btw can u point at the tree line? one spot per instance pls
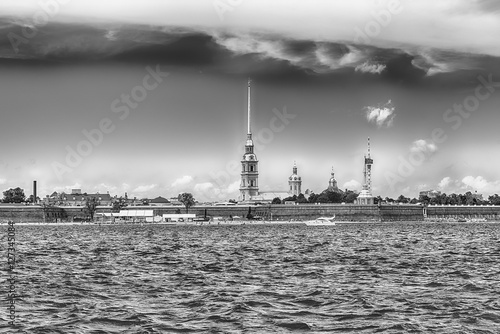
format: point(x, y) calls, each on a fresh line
point(347, 196)
point(443, 199)
point(16, 195)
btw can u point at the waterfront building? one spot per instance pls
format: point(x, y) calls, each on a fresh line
point(76, 198)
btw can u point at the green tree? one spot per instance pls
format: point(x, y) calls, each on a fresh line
point(313, 198)
point(453, 199)
point(349, 196)
point(118, 204)
point(276, 200)
point(494, 199)
point(30, 199)
point(91, 204)
point(403, 199)
point(442, 199)
point(424, 199)
point(334, 197)
point(323, 198)
point(290, 198)
point(187, 199)
point(469, 199)
point(14, 195)
point(301, 198)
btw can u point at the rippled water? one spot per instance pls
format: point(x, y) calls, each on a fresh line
point(350, 278)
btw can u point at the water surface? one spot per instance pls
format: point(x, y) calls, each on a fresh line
point(350, 278)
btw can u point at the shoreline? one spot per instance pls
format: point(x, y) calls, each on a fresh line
point(238, 223)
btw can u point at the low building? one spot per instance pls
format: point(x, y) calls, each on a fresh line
point(77, 199)
point(430, 193)
point(159, 201)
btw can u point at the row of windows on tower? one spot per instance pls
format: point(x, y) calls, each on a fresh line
point(251, 168)
point(251, 183)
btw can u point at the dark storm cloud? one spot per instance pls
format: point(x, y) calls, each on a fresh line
point(257, 54)
point(488, 6)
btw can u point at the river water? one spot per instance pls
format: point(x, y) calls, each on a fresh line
point(349, 278)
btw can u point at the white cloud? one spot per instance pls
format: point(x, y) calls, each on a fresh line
point(406, 191)
point(421, 145)
point(68, 189)
point(382, 116)
point(423, 187)
point(144, 188)
point(3, 181)
point(203, 187)
point(352, 185)
point(469, 183)
point(111, 35)
point(233, 187)
point(182, 181)
point(444, 183)
point(102, 188)
point(480, 184)
point(367, 67)
point(207, 191)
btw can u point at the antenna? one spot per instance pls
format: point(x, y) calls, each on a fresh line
point(368, 147)
point(368, 168)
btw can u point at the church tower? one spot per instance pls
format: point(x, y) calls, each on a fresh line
point(332, 183)
point(249, 185)
point(295, 182)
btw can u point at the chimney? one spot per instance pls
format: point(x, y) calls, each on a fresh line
point(34, 192)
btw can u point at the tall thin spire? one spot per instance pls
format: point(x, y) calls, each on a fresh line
point(249, 129)
point(368, 147)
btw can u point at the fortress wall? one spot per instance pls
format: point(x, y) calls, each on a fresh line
point(37, 214)
point(279, 211)
point(21, 213)
point(467, 212)
point(347, 212)
point(401, 213)
point(342, 212)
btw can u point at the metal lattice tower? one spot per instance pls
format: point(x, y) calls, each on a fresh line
point(368, 169)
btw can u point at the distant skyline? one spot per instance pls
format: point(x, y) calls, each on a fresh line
point(153, 93)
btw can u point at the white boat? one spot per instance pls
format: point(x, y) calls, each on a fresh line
point(321, 221)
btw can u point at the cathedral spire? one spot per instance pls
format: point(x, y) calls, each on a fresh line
point(249, 186)
point(249, 94)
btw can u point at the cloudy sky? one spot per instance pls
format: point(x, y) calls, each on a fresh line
point(148, 97)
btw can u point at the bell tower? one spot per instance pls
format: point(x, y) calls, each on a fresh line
point(295, 182)
point(249, 185)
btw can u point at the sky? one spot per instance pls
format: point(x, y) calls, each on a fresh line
point(149, 97)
